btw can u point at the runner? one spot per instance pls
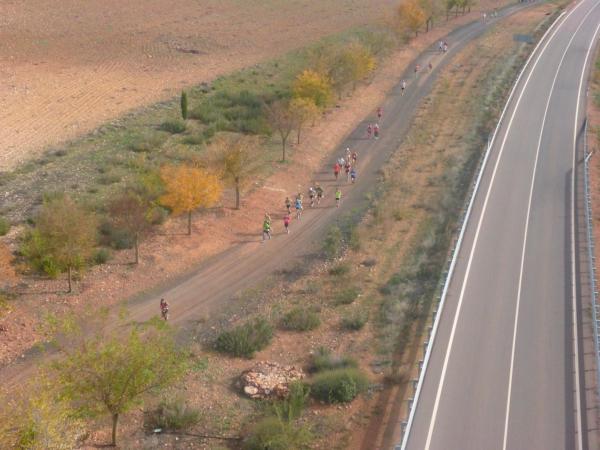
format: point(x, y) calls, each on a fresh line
point(376, 131)
point(298, 206)
point(353, 175)
point(266, 228)
point(348, 154)
point(417, 67)
point(286, 223)
point(312, 194)
point(441, 46)
point(402, 86)
point(338, 197)
point(336, 170)
point(379, 113)
point(354, 158)
point(445, 46)
point(347, 168)
point(369, 131)
point(430, 66)
point(319, 191)
point(288, 205)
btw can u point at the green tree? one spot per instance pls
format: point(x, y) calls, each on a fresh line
point(184, 105)
point(129, 213)
point(303, 110)
point(64, 237)
point(108, 372)
point(236, 157)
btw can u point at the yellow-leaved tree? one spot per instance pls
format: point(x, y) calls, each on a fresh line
point(362, 61)
point(411, 16)
point(313, 85)
point(189, 188)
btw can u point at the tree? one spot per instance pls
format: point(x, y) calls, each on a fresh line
point(362, 62)
point(65, 235)
point(236, 157)
point(411, 15)
point(189, 188)
point(108, 372)
point(129, 213)
point(34, 418)
point(450, 4)
point(282, 120)
point(303, 110)
point(313, 85)
point(184, 105)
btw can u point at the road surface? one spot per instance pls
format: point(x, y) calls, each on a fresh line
point(503, 372)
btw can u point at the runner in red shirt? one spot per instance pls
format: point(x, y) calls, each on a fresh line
point(286, 223)
point(336, 170)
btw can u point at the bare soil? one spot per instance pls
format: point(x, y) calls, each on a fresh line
point(67, 66)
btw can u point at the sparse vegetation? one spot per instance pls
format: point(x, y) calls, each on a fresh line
point(323, 360)
point(4, 226)
point(172, 415)
point(346, 296)
point(173, 126)
point(244, 340)
point(339, 385)
point(300, 319)
point(355, 319)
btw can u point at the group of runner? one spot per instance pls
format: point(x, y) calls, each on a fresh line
point(347, 162)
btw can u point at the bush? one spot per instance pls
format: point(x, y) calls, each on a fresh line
point(101, 256)
point(244, 340)
point(193, 139)
point(147, 141)
point(347, 296)
point(172, 415)
point(174, 126)
point(272, 433)
point(339, 386)
point(4, 226)
point(157, 215)
point(355, 320)
point(324, 360)
point(300, 319)
point(35, 249)
point(333, 243)
point(339, 269)
point(116, 238)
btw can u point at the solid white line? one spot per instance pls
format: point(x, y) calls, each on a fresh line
point(573, 265)
point(461, 297)
point(521, 270)
point(461, 236)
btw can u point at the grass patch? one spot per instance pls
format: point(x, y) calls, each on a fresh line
point(274, 433)
point(355, 320)
point(340, 269)
point(173, 126)
point(244, 340)
point(346, 296)
point(323, 360)
point(339, 386)
point(172, 415)
point(4, 226)
point(300, 319)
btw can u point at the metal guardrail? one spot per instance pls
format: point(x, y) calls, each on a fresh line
point(591, 255)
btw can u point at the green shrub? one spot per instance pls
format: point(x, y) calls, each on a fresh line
point(339, 386)
point(291, 408)
point(355, 320)
point(333, 245)
point(323, 360)
point(146, 141)
point(116, 238)
point(300, 319)
point(339, 269)
point(346, 296)
point(193, 139)
point(172, 415)
point(174, 126)
point(273, 433)
point(244, 340)
point(101, 256)
point(35, 249)
point(157, 215)
point(4, 226)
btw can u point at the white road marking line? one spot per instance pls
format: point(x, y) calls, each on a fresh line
point(461, 236)
point(461, 297)
point(521, 270)
point(573, 265)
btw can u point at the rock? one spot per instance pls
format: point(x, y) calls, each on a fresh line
point(269, 379)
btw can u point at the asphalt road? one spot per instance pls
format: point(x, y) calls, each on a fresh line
point(502, 371)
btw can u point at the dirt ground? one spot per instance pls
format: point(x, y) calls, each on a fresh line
point(67, 66)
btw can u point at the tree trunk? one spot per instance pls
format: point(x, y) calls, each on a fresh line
point(299, 130)
point(283, 141)
point(189, 223)
point(237, 193)
point(69, 278)
point(115, 419)
point(136, 245)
